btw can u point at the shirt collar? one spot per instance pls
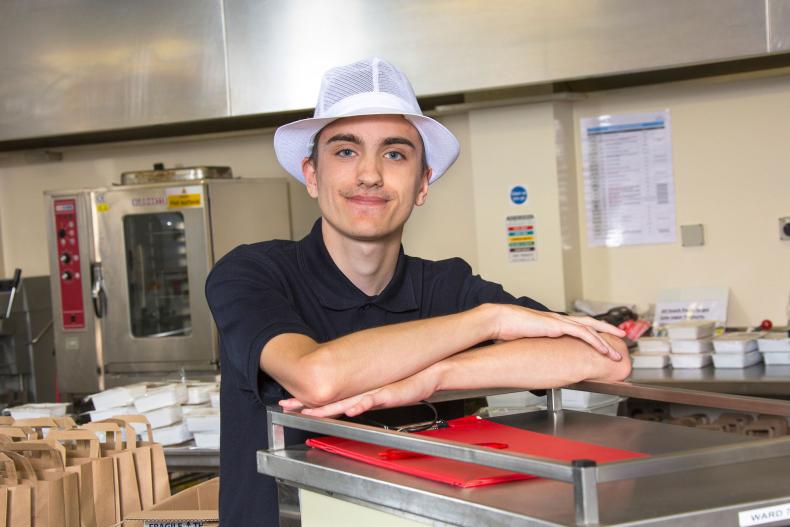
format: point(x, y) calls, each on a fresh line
point(335, 291)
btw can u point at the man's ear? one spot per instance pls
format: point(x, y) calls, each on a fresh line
point(422, 193)
point(310, 179)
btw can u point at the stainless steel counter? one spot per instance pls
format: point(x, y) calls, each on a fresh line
point(192, 459)
point(731, 474)
point(761, 380)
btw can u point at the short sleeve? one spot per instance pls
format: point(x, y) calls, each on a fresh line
point(474, 290)
point(250, 303)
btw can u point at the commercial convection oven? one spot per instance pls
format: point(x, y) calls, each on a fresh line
point(128, 265)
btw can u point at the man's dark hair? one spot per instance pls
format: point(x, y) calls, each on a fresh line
point(313, 157)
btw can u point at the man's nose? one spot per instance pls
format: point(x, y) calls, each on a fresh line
point(369, 172)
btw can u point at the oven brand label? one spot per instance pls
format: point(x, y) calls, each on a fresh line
point(150, 201)
point(181, 197)
point(765, 515)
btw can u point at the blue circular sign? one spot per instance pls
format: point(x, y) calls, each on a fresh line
point(518, 194)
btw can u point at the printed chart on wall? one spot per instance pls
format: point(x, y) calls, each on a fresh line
point(521, 238)
point(628, 183)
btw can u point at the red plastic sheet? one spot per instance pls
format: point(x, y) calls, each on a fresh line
point(472, 431)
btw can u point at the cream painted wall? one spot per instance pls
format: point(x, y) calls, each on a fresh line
point(517, 145)
point(731, 150)
point(22, 210)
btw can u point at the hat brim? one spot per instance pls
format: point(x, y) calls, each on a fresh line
point(293, 141)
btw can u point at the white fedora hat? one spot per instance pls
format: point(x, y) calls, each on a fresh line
point(369, 87)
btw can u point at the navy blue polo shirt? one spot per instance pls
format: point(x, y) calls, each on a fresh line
point(259, 291)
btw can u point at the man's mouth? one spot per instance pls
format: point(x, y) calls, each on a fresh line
point(362, 199)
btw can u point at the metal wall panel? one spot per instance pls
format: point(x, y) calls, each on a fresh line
point(278, 49)
point(88, 65)
point(778, 22)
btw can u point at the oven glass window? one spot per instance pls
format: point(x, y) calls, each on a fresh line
point(156, 270)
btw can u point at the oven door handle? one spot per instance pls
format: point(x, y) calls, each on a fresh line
point(98, 296)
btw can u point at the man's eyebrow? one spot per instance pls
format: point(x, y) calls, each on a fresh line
point(398, 141)
point(347, 138)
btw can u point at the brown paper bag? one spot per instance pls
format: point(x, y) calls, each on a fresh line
point(151, 467)
point(16, 498)
point(65, 422)
point(19, 510)
point(96, 476)
point(17, 433)
point(48, 459)
point(48, 499)
point(40, 425)
point(6, 420)
point(125, 471)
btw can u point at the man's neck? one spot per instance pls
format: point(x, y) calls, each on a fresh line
point(369, 265)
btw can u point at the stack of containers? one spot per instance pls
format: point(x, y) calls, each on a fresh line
point(691, 343)
point(34, 410)
point(775, 348)
point(162, 407)
point(116, 401)
point(200, 416)
point(653, 353)
point(736, 350)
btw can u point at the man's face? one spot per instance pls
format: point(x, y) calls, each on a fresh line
point(368, 176)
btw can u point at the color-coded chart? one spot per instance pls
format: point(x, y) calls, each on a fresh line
point(521, 243)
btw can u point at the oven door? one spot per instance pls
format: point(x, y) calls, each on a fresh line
point(155, 254)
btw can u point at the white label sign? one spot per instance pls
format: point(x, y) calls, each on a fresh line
point(668, 312)
point(765, 515)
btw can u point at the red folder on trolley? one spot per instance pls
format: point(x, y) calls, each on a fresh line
point(472, 431)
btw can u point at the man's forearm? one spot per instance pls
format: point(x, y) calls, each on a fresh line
point(371, 358)
point(534, 363)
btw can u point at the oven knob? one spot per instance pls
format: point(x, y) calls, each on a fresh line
point(65, 258)
point(66, 275)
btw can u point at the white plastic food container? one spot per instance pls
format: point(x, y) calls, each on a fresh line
point(117, 397)
point(200, 392)
point(206, 420)
point(207, 440)
point(654, 345)
point(172, 435)
point(650, 360)
point(168, 395)
point(187, 409)
point(692, 346)
point(581, 400)
point(33, 410)
point(690, 329)
point(214, 396)
point(690, 360)
point(776, 357)
point(737, 360)
point(100, 415)
point(774, 342)
point(738, 342)
point(162, 417)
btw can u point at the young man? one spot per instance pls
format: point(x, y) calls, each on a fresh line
point(343, 321)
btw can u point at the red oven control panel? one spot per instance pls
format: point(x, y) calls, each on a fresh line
point(72, 305)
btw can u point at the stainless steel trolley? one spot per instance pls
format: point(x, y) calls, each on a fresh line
point(693, 477)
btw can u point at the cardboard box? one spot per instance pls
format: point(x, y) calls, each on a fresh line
point(197, 506)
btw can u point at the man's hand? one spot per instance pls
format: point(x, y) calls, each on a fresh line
point(516, 322)
point(401, 393)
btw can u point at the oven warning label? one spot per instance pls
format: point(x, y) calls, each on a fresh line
point(777, 513)
point(181, 197)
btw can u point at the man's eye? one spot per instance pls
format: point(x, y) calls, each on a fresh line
point(394, 156)
point(346, 152)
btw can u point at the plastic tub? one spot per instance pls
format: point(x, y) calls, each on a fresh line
point(161, 397)
point(690, 329)
point(650, 360)
point(117, 397)
point(207, 440)
point(692, 346)
point(774, 342)
point(737, 360)
point(690, 360)
point(776, 357)
point(162, 417)
point(206, 420)
point(172, 435)
point(738, 342)
point(578, 399)
point(33, 410)
point(200, 392)
point(653, 345)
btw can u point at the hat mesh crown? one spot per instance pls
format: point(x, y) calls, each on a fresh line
point(365, 76)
